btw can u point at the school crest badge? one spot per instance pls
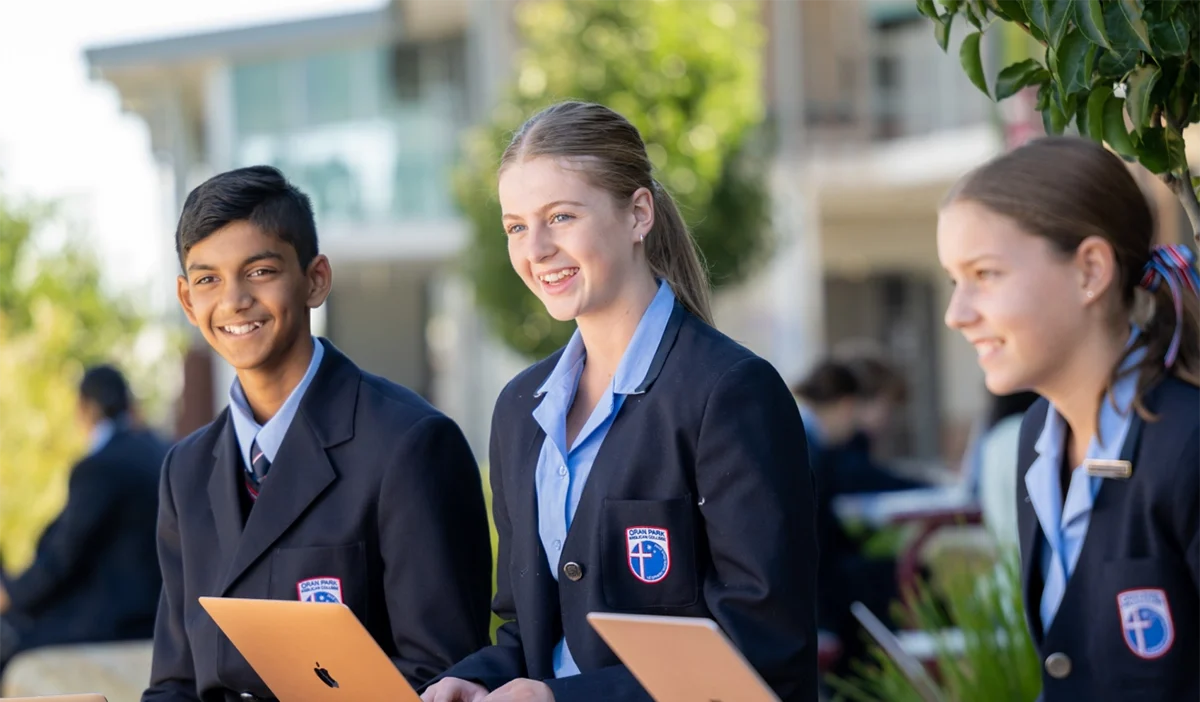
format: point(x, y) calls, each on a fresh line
point(1146, 622)
point(320, 590)
point(649, 551)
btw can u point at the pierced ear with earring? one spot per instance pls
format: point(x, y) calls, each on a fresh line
point(1091, 294)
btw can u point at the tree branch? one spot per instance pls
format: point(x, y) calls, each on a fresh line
point(1029, 31)
point(1181, 183)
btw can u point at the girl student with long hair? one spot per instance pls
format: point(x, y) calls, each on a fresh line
point(1060, 289)
point(652, 465)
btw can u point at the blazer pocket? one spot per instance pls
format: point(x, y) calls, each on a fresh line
point(648, 556)
point(322, 574)
point(1139, 607)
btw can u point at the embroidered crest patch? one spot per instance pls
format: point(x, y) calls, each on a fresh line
point(649, 551)
point(320, 590)
point(1146, 622)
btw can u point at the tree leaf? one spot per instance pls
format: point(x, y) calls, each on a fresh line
point(1095, 109)
point(1116, 63)
point(1115, 133)
point(1035, 10)
point(951, 6)
point(971, 61)
point(1141, 83)
point(1058, 15)
point(1170, 37)
point(941, 31)
point(973, 17)
point(1081, 115)
point(1053, 120)
point(927, 8)
point(1151, 148)
point(1009, 10)
point(1126, 26)
point(1019, 75)
point(1049, 17)
point(1089, 18)
point(1073, 62)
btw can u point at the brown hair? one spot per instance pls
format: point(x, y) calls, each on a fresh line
point(611, 153)
point(1066, 189)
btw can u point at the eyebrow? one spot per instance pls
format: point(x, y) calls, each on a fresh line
point(254, 258)
point(549, 206)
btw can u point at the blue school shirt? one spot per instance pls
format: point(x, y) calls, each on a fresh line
point(562, 471)
point(269, 435)
point(1065, 523)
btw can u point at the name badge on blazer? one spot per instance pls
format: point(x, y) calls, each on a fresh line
point(1120, 470)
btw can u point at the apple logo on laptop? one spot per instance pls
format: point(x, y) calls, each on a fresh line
point(324, 676)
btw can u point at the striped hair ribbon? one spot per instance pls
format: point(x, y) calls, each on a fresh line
point(1176, 266)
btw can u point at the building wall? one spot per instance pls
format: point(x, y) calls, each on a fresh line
point(377, 316)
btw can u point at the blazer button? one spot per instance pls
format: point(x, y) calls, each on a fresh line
point(248, 697)
point(1058, 665)
point(573, 571)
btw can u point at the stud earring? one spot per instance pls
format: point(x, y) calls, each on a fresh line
point(1091, 294)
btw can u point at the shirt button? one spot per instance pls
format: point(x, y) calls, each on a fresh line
point(573, 571)
point(556, 545)
point(562, 470)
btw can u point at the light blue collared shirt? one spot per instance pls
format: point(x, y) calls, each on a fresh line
point(269, 435)
point(1065, 523)
point(102, 433)
point(561, 471)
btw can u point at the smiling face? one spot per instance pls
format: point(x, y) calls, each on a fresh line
point(575, 247)
point(246, 293)
point(1016, 300)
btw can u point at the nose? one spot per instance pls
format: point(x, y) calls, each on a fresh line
point(960, 312)
point(540, 243)
point(236, 296)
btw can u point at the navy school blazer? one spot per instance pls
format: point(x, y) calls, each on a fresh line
point(1126, 628)
point(714, 453)
point(95, 576)
point(372, 486)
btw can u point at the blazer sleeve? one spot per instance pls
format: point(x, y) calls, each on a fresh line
point(755, 488)
point(503, 662)
point(436, 549)
point(92, 493)
point(172, 671)
point(1187, 507)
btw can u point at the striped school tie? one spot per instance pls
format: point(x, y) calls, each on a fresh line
point(259, 465)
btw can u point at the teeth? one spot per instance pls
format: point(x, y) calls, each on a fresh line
point(558, 275)
point(985, 347)
point(240, 329)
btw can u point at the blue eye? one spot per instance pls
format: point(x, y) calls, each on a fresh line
point(561, 217)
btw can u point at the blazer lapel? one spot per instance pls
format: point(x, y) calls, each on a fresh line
point(540, 617)
point(606, 461)
point(301, 471)
point(223, 484)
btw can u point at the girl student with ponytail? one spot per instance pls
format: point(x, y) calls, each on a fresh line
point(653, 465)
point(1060, 290)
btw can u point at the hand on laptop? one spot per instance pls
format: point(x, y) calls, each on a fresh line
point(522, 690)
point(454, 690)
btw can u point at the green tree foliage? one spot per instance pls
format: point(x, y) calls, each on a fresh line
point(1123, 72)
point(54, 319)
point(687, 74)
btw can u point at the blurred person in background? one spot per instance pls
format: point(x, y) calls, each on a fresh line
point(95, 574)
point(831, 398)
point(993, 458)
point(881, 394)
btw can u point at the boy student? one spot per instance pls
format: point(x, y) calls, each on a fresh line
point(319, 482)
